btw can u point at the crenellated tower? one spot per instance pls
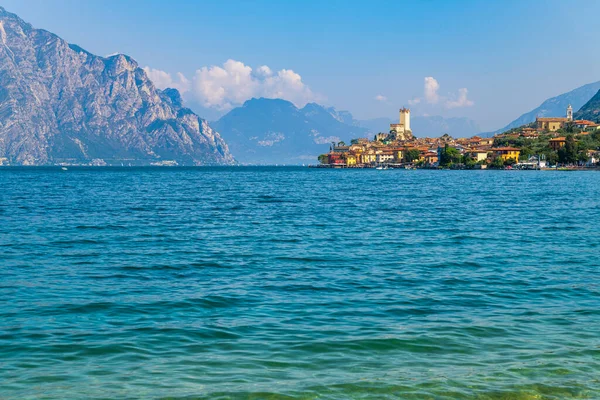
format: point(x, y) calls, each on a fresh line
point(405, 118)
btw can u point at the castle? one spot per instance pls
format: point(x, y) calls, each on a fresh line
point(402, 130)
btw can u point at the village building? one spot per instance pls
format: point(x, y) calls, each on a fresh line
point(351, 160)
point(430, 158)
point(584, 124)
point(479, 155)
point(486, 141)
point(402, 131)
point(507, 153)
point(557, 143)
point(385, 156)
point(552, 124)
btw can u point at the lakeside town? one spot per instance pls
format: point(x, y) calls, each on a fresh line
point(547, 143)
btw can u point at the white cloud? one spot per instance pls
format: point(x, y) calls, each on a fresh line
point(380, 97)
point(264, 71)
point(231, 84)
point(431, 95)
point(461, 101)
point(163, 80)
point(431, 90)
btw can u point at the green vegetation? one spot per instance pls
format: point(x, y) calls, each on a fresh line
point(449, 156)
point(575, 150)
point(411, 155)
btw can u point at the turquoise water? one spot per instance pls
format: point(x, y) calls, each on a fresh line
point(292, 283)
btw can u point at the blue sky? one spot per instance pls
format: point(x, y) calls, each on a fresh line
point(486, 60)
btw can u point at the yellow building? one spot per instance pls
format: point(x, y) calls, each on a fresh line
point(507, 153)
point(350, 160)
point(369, 157)
point(398, 154)
point(550, 124)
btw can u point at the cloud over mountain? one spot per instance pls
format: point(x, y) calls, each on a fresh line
point(231, 84)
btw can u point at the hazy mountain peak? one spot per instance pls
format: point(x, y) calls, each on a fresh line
point(275, 131)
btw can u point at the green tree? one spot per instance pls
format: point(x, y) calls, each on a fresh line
point(551, 157)
point(510, 161)
point(526, 152)
point(468, 161)
point(411, 155)
point(449, 156)
point(568, 153)
point(498, 163)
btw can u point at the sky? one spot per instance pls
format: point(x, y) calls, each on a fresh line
point(489, 61)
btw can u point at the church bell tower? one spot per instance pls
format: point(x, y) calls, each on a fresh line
point(569, 113)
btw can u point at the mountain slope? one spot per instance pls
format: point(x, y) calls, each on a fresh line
point(274, 131)
point(556, 106)
point(59, 102)
point(590, 110)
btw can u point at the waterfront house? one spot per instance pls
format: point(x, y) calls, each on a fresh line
point(479, 155)
point(431, 158)
point(335, 159)
point(369, 157)
point(384, 156)
point(506, 153)
point(351, 159)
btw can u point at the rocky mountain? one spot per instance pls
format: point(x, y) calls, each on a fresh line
point(60, 103)
point(590, 110)
point(556, 106)
point(427, 126)
point(275, 131)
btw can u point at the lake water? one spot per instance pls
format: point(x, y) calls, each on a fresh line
point(294, 283)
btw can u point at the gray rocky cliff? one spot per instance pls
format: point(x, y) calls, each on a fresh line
point(61, 103)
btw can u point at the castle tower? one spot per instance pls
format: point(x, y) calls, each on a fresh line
point(569, 113)
point(405, 118)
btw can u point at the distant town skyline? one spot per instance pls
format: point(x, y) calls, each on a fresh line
point(486, 61)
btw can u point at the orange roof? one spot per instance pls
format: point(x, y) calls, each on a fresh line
point(505, 149)
point(551, 119)
point(584, 122)
point(558, 139)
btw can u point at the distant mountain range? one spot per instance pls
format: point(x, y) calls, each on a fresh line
point(60, 103)
point(275, 131)
point(554, 107)
point(590, 110)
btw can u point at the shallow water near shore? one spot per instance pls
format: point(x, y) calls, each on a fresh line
point(296, 283)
